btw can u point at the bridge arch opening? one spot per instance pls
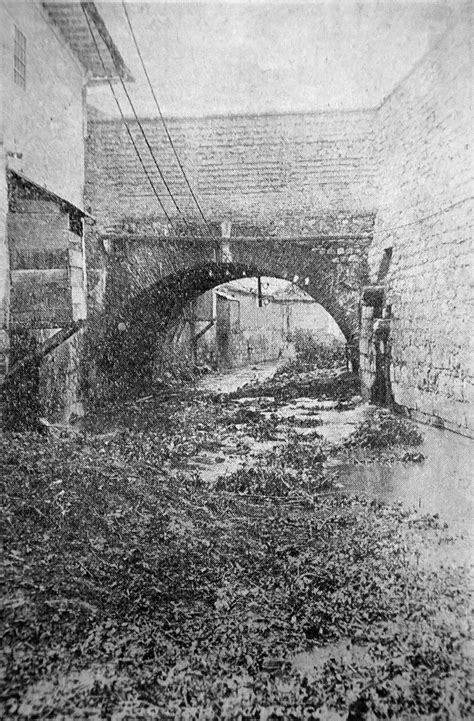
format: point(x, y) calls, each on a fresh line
point(255, 320)
point(141, 332)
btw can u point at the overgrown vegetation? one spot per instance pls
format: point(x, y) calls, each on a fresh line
point(276, 482)
point(381, 429)
point(289, 383)
point(311, 353)
point(302, 452)
point(135, 590)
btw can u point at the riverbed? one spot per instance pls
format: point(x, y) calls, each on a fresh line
point(439, 485)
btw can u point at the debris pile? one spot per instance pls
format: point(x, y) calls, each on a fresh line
point(136, 589)
point(381, 429)
point(288, 384)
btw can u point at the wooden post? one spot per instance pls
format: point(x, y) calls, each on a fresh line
point(259, 291)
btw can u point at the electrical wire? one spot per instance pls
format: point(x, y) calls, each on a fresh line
point(172, 244)
point(138, 121)
point(130, 135)
point(165, 125)
point(150, 150)
point(148, 144)
point(389, 229)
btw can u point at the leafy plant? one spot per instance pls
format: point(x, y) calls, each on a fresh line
point(382, 429)
point(311, 352)
point(134, 590)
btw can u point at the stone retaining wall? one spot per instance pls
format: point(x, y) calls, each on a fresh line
point(424, 134)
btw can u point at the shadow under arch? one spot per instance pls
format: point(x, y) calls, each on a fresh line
point(140, 326)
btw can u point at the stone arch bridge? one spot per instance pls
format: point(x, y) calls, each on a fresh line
point(151, 279)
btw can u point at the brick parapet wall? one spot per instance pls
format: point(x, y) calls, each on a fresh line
point(424, 132)
point(298, 174)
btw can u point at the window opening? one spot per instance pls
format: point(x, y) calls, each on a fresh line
point(75, 223)
point(19, 59)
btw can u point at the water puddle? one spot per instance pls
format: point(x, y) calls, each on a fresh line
point(441, 484)
point(235, 378)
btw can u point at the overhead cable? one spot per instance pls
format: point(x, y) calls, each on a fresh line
point(150, 149)
point(138, 121)
point(130, 135)
point(165, 125)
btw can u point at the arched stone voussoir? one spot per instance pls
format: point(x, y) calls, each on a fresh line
point(162, 301)
point(149, 314)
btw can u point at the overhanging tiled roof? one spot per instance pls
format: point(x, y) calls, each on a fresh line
point(22, 186)
point(69, 18)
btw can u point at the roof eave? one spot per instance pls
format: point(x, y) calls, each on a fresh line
point(122, 70)
point(85, 16)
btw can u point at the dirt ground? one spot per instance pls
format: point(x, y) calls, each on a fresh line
point(199, 553)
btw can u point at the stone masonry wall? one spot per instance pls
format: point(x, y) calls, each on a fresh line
point(301, 174)
point(328, 173)
point(424, 213)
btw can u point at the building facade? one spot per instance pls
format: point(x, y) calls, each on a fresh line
point(399, 176)
point(236, 325)
point(48, 57)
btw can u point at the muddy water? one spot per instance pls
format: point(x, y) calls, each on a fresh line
point(442, 484)
point(232, 380)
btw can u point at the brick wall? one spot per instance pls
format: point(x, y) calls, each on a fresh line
point(424, 133)
point(278, 174)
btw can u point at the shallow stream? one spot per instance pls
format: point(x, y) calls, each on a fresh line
point(441, 484)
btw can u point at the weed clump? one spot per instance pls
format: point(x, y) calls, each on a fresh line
point(272, 481)
point(133, 591)
point(312, 353)
point(381, 429)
